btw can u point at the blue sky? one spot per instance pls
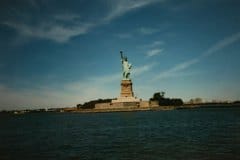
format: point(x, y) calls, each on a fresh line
point(61, 53)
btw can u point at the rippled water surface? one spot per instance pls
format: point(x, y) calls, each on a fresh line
point(197, 134)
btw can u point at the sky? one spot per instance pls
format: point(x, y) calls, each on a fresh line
point(56, 53)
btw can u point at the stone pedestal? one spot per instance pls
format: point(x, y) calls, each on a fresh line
point(126, 94)
point(126, 89)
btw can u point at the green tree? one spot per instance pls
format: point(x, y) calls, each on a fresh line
point(160, 97)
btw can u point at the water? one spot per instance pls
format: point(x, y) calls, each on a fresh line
point(196, 134)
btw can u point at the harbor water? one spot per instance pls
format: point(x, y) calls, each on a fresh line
point(189, 134)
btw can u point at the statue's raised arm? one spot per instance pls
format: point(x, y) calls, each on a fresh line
point(125, 67)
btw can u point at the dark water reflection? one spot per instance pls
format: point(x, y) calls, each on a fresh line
point(180, 134)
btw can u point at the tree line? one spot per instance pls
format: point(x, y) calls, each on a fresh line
point(91, 104)
point(162, 101)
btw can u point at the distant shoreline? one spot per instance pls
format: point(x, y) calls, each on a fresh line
point(127, 109)
point(160, 108)
point(210, 105)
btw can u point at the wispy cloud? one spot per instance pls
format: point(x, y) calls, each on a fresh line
point(50, 30)
point(212, 50)
point(120, 8)
point(156, 43)
point(154, 52)
point(61, 27)
point(152, 45)
point(147, 31)
point(173, 71)
point(222, 44)
point(140, 70)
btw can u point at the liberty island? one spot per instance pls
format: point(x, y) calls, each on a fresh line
point(127, 101)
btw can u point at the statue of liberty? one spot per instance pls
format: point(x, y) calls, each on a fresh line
point(125, 67)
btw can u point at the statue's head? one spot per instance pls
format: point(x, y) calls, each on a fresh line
point(125, 58)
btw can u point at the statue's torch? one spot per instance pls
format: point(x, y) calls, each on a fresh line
point(121, 55)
